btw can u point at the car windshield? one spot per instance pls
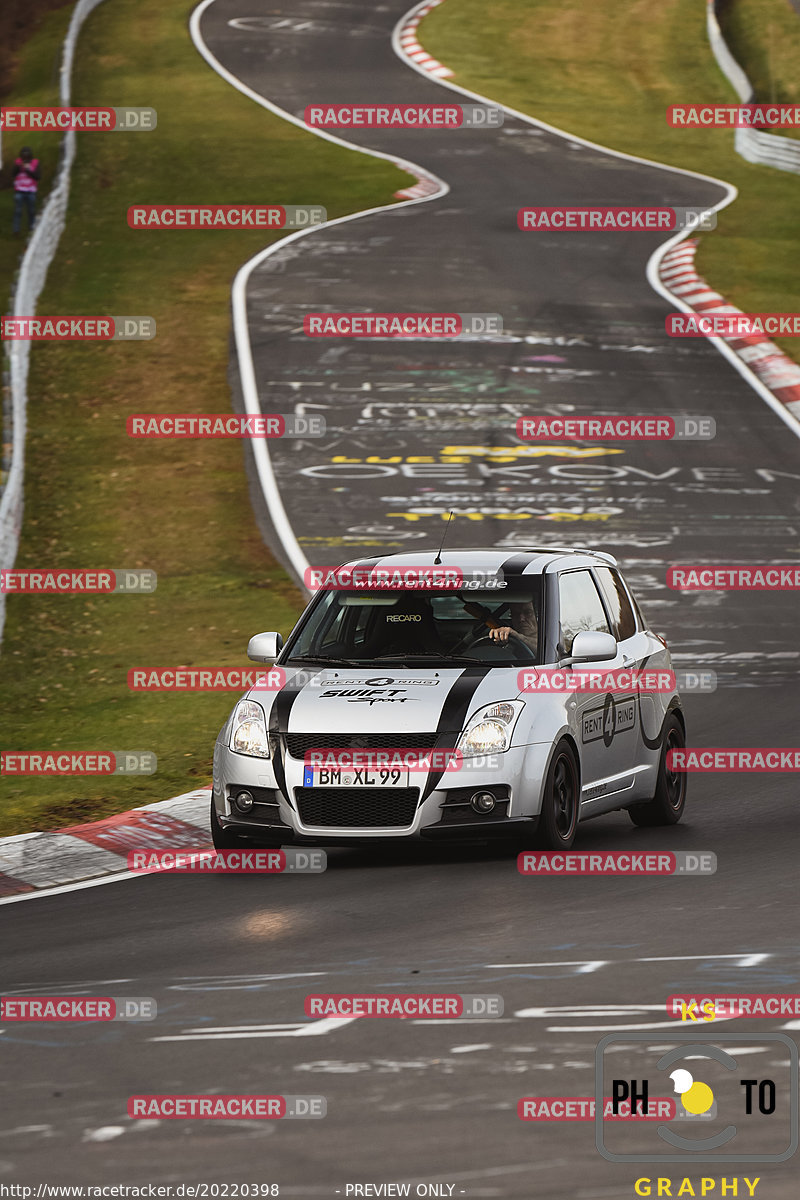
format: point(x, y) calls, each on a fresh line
point(489, 626)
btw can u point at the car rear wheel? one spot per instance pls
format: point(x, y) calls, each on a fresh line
point(558, 820)
point(669, 800)
point(228, 839)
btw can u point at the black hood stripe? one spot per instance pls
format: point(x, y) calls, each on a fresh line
point(278, 723)
point(454, 713)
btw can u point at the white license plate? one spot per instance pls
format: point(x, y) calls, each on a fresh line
point(354, 777)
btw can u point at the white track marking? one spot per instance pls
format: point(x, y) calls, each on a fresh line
point(747, 960)
point(71, 887)
point(305, 1029)
point(244, 349)
point(587, 966)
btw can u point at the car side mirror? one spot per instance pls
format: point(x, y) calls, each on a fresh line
point(589, 646)
point(264, 647)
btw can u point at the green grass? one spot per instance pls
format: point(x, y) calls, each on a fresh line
point(94, 497)
point(607, 72)
point(35, 83)
point(764, 38)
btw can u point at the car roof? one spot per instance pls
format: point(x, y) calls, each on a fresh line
point(531, 560)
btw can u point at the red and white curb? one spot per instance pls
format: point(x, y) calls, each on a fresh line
point(423, 187)
point(31, 862)
point(407, 41)
point(775, 369)
point(411, 47)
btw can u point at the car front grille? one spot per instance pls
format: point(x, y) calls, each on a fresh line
point(300, 744)
point(357, 808)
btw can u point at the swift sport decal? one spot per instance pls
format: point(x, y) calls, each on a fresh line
point(368, 695)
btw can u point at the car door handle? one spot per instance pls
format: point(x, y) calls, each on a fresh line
point(628, 660)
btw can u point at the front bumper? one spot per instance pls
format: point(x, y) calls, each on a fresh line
point(514, 778)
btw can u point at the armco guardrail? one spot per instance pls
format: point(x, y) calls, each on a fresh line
point(30, 281)
point(766, 149)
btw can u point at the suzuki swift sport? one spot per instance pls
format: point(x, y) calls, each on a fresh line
point(468, 695)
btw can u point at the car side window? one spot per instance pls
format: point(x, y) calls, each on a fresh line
point(619, 606)
point(580, 607)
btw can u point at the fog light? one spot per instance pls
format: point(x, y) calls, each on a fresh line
point(244, 802)
point(483, 802)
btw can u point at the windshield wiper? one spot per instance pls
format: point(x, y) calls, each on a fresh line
point(421, 654)
point(326, 661)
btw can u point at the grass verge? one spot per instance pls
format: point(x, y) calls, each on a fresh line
point(607, 72)
point(96, 498)
point(764, 38)
point(35, 83)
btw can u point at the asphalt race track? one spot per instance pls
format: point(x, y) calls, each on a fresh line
point(230, 959)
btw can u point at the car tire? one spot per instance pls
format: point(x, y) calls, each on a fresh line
point(669, 799)
point(228, 839)
point(561, 801)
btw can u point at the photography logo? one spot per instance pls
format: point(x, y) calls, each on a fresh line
point(728, 1108)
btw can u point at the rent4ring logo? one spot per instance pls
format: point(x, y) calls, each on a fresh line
point(736, 1099)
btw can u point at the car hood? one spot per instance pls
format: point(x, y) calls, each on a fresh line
point(344, 700)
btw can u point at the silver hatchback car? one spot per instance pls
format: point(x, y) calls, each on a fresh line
point(465, 694)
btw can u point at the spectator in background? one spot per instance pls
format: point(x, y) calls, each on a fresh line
point(25, 176)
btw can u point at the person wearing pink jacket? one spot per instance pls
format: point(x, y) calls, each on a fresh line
point(25, 176)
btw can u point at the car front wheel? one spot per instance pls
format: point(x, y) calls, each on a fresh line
point(558, 820)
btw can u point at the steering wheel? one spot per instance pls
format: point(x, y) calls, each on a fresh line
point(515, 644)
point(469, 638)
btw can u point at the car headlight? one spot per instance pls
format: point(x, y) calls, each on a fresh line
point(249, 730)
point(489, 730)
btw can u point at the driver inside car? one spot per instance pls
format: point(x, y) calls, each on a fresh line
point(523, 625)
